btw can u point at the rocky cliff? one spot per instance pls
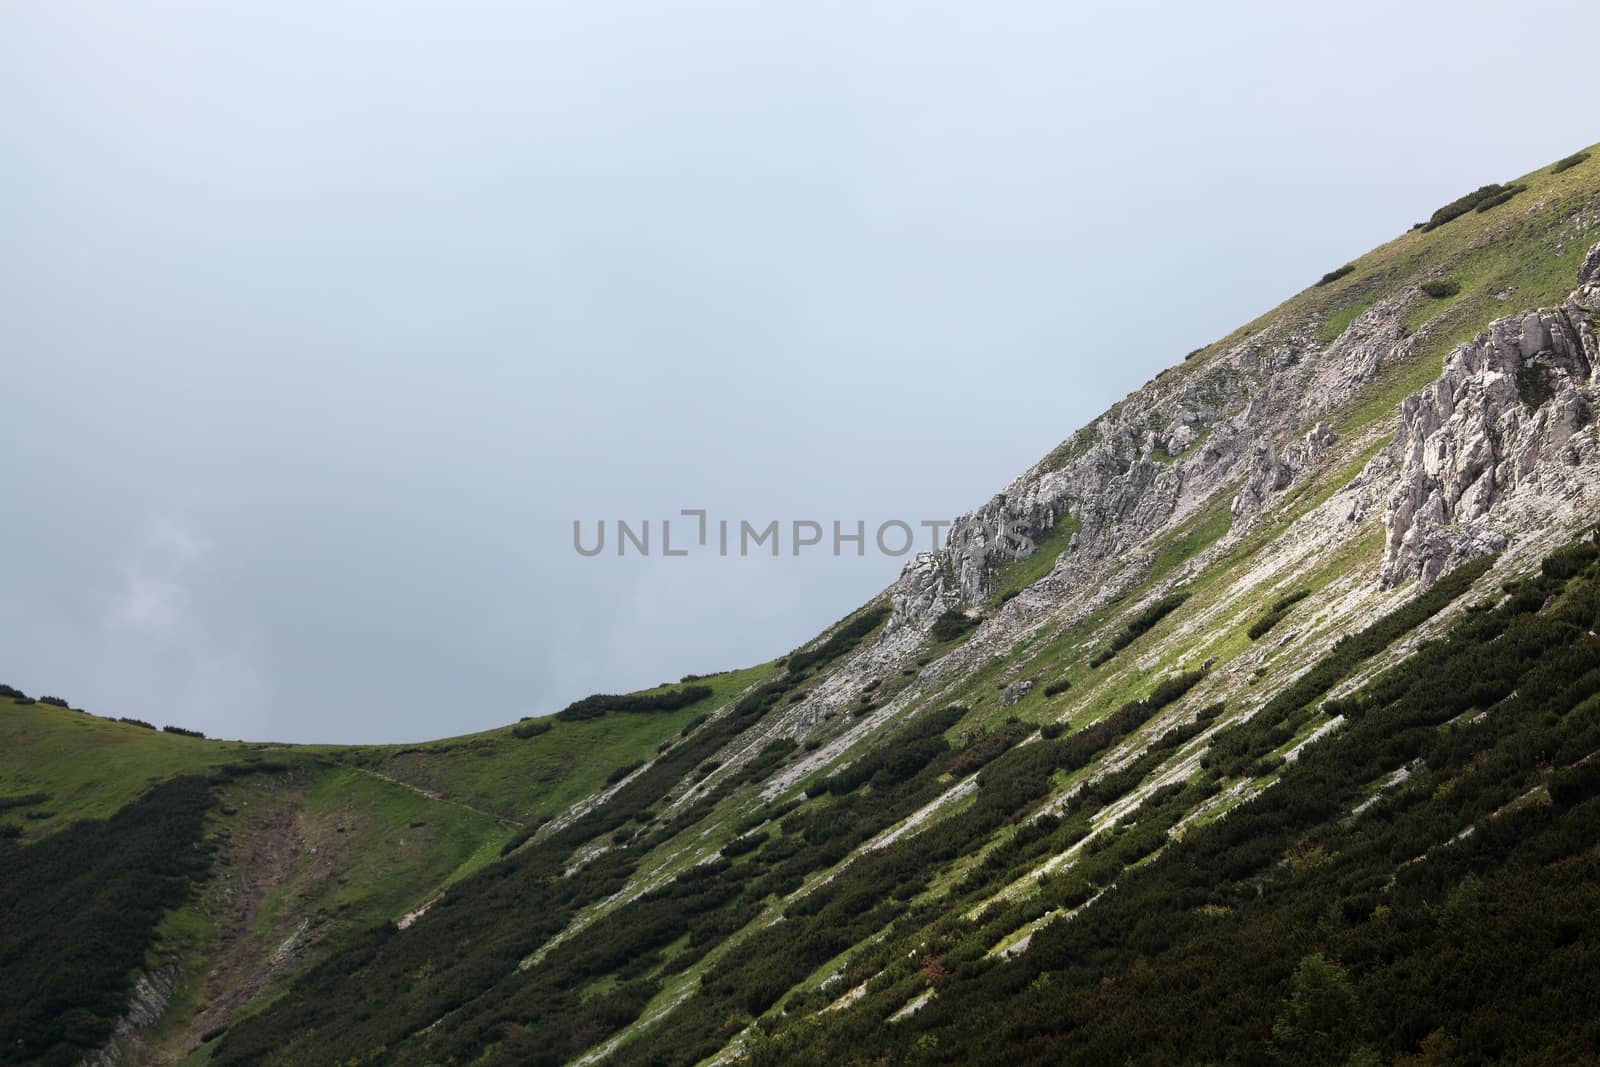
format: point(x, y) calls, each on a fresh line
point(1502, 443)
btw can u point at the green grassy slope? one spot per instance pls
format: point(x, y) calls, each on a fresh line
point(647, 929)
point(526, 779)
point(330, 841)
point(90, 767)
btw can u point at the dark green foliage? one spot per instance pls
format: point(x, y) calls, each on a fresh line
point(954, 625)
point(899, 757)
point(592, 707)
point(623, 771)
point(1270, 728)
point(1481, 199)
point(741, 845)
point(840, 641)
point(56, 702)
point(80, 910)
point(1533, 384)
point(15, 694)
point(1292, 932)
point(531, 728)
point(1572, 786)
point(472, 942)
point(1501, 197)
point(181, 731)
point(522, 836)
point(1275, 614)
point(1139, 625)
point(1314, 1025)
point(772, 756)
point(1060, 685)
point(137, 722)
point(1334, 275)
point(1190, 957)
point(1569, 162)
point(1441, 288)
point(1570, 560)
point(24, 800)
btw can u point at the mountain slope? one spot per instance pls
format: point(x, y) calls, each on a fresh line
point(1218, 713)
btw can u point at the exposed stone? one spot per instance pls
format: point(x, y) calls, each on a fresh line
point(1511, 415)
point(1015, 692)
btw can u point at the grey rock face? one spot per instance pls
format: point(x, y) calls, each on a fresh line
point(1237, 420)
point(151, 994)
point(1510, 417)
point(1015, 692)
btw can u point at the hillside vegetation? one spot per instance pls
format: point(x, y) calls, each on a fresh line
point(1195, 779)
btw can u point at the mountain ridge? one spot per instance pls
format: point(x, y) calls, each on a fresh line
point(1367, 451)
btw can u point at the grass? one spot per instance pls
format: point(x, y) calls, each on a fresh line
point(390, 847)
point(90, 766)
point(1161, 455)
point(383, 861)
point(527, 779)
point(1017, 574)
point(1340, 319)
point(1199, 532)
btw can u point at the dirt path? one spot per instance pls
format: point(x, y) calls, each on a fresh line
point(431, 795)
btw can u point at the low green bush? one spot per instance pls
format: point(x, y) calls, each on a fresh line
point(953, 625)
point(592, 707)
point(1480, 199)
point(1569, 162)
point(1332, 276)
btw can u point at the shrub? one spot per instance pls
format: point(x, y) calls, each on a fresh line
point(1568, 163)
point(592, 707)
point(1334, 275)
point(24, 800)
point(953, 625)
point(181, 731)
point(1275, 614)
point(531, 728)
point(1441, 288)
point(1060, 685)
point(748, 843)
point(1574, 785)
point(1052, 730)
point(14, 694)
point(137, 722)
point(843, 639)
point(1139, 625)
point(1480, 199)
point(1533, 384)
point(1501, 197)
point(1568, 561)
point(55, 702)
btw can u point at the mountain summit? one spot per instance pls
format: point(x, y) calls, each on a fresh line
point(1259, 722)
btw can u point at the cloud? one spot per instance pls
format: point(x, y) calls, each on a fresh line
point(153, 597)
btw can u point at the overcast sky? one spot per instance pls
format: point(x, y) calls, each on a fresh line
point(321, 323)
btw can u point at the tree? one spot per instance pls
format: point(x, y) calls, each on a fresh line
point(1314, 1024)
